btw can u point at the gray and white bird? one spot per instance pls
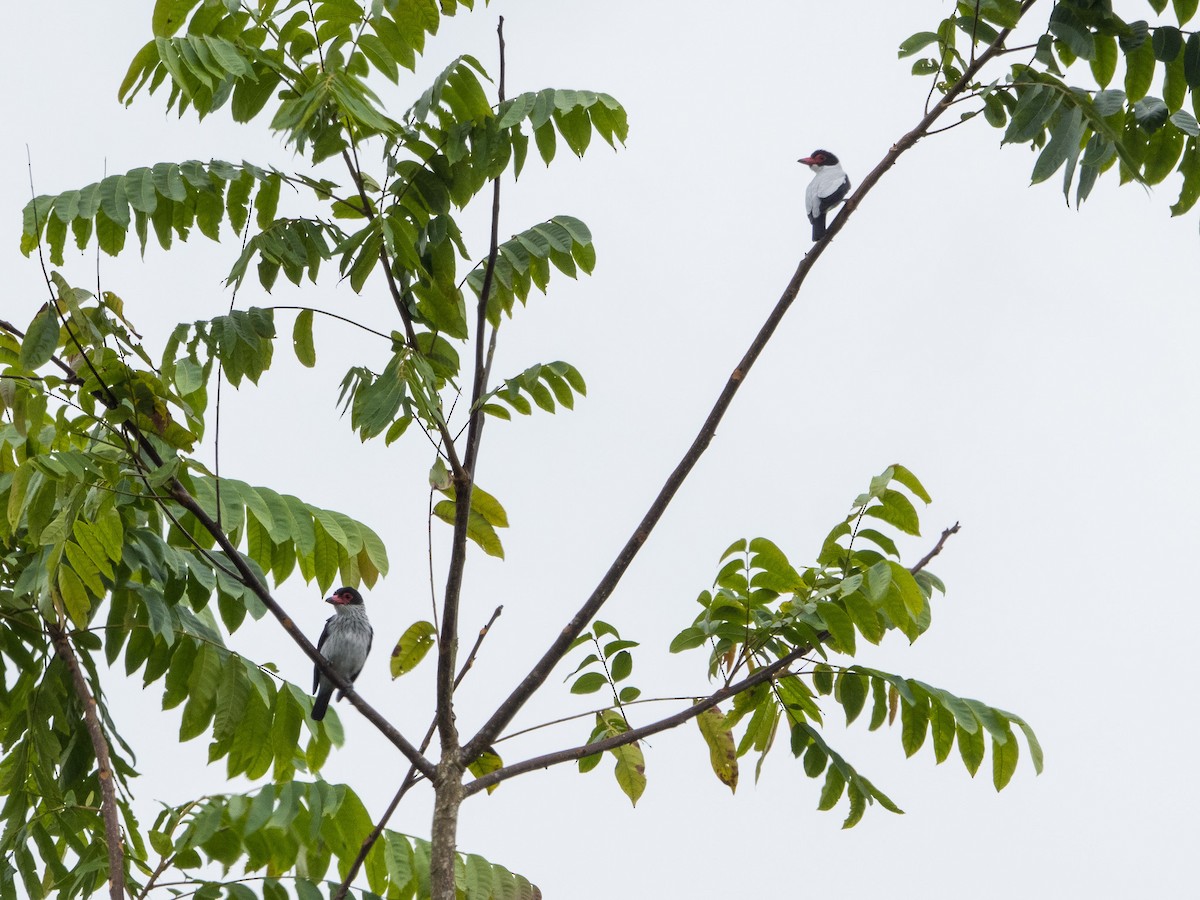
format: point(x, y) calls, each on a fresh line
point(345, 642)
point(827, 189)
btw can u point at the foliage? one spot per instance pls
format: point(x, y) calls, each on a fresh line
point(762, 611)
point(1084, 131)
point(98, 437)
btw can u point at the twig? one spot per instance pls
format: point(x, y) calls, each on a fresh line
point(541, 670)
point(584, 715)
point(483, 632)
point(104, 770)
point(937, 548)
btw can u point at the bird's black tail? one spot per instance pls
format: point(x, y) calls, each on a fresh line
point(322, 702)
point(818, 225)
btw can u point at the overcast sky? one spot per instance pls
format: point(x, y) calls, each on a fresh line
point(1033, 365)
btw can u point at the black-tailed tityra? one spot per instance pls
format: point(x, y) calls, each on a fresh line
point(827, 189)
point(345, 642)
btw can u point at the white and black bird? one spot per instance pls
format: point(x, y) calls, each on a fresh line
point(827, 189)
point(345, 642)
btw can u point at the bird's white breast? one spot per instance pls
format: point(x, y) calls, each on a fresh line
point(827, 180)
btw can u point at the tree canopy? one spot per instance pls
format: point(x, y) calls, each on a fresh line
point(124, 549)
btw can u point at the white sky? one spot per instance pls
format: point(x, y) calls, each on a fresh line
point(1033, 365)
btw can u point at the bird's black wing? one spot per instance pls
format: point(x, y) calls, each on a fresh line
point(320, 644)
point(828, 203)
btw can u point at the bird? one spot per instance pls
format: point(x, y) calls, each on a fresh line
point(345, 642)
point(827, 189)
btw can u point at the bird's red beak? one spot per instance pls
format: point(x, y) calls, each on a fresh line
point(808, 161)
point(334, 600)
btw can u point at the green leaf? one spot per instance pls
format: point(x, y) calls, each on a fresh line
point(1189, 167)
point(74, 597)
point(896, 509)
point(1004, 761)
point(1108, 102)
point(412, 647)
point(970, 748)
point(1139, 71)
point(1191, 61)
point(302, 339)
point(588, 683)
point(852, 692)
point(1067, 27)
point(914, 724)
point(839, 624)
point(1034, 109)
point(1104, 60)
point(916, 43)
point(41, 339)
point(1162, 154)
point(835, 785)
point(1167, 42)
point(1150, 113)
point(1065, 137)
point(1035, 748)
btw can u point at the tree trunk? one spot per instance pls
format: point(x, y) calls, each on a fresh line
point(448, 797)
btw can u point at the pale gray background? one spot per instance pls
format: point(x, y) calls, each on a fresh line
point(1033, 365)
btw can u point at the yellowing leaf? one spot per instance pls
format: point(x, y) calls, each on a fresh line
point(721, 751)
point(412, 647)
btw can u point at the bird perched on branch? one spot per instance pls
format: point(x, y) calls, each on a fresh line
point(827, 189)
point(345, 642)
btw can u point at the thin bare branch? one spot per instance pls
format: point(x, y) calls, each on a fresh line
point(937, 548)
point(464, 482)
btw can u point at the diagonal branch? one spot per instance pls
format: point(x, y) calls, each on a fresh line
point(541, 670)
point(766, 673)
point(104, 770)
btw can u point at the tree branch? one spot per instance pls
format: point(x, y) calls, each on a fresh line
point(937, 548)
point(104, 770)
point(464, 482)
point(541, 670)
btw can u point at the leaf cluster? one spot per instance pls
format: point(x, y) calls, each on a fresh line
point(1085, 131)
point(763, 611)
point(92, 542)
point(290, 834)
